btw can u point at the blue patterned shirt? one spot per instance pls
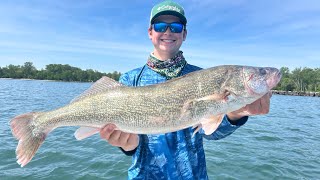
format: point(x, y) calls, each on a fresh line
point(175, 155)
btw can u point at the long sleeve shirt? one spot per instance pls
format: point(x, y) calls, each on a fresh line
point(176, 155)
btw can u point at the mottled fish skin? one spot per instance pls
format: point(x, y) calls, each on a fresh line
point(157, 108)
point(170, 106)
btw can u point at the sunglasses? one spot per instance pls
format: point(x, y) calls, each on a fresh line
point(175, 27)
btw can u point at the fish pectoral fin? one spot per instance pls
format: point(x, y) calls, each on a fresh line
point(190, 106)
point(197, 128)
point(211, 123)
point(216, 97)
point(103, 84)
point(84, 132)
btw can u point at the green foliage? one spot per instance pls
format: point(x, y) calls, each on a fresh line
point(300, 79)
point(287, 84)
point(54, 72)
point(28, 70)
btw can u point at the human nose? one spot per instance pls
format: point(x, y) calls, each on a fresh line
point(168, 30)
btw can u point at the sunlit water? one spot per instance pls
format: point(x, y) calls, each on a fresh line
point(285, 144)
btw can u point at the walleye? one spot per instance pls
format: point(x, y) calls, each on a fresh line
point(180, 103)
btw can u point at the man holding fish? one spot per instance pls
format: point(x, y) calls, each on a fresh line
point(180, 154)
point(153, 114)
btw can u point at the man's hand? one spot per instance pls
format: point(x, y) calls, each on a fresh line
point(126, 141)
point(260, 106)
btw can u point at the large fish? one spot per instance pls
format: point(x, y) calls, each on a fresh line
point(180, 103)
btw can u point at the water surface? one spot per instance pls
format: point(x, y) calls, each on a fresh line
point(281, 145)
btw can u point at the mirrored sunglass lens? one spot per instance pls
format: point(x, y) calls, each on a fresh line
point(160, 27)
point(176, 27)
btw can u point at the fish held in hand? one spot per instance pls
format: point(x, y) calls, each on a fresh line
point(176, 104)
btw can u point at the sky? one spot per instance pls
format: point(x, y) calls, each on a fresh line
point(108, 35)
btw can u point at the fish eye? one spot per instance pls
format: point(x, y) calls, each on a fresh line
point(262, 71)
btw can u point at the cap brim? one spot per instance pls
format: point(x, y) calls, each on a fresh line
point(173, 13)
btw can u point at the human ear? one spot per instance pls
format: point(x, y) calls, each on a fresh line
point(150, 32)
point(185, 34)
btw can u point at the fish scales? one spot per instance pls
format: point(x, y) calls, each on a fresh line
point(144, 107)
point(170, 106)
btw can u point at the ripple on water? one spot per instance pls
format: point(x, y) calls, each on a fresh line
point(268, 138)
point(295, 129)
point(281, 145)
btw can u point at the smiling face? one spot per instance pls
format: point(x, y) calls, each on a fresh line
point(166, 44)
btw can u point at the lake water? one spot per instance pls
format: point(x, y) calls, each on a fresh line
point(285, 144)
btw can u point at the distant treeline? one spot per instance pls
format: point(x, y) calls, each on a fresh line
point(300, 80)
point(57, 72)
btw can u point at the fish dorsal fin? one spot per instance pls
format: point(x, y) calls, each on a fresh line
point(103, 84)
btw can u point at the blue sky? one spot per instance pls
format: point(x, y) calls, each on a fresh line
point(112, 35)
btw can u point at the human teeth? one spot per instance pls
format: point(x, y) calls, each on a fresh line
point(166, 40)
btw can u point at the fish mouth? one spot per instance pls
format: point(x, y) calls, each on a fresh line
point(274, 79)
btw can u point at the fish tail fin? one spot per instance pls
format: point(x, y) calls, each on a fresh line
point(29, 142)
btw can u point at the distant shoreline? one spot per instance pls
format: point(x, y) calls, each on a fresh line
point(26, 79)
point(278, 92)
point(296, 93)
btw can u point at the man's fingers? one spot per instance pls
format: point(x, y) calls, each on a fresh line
point(133, 138)
point(265, 104)
point(119, 138)
point(114, 138)
point(123, 139)
point(255, 108)
point(132, 142)
point(106, 131)
point(260, 106)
